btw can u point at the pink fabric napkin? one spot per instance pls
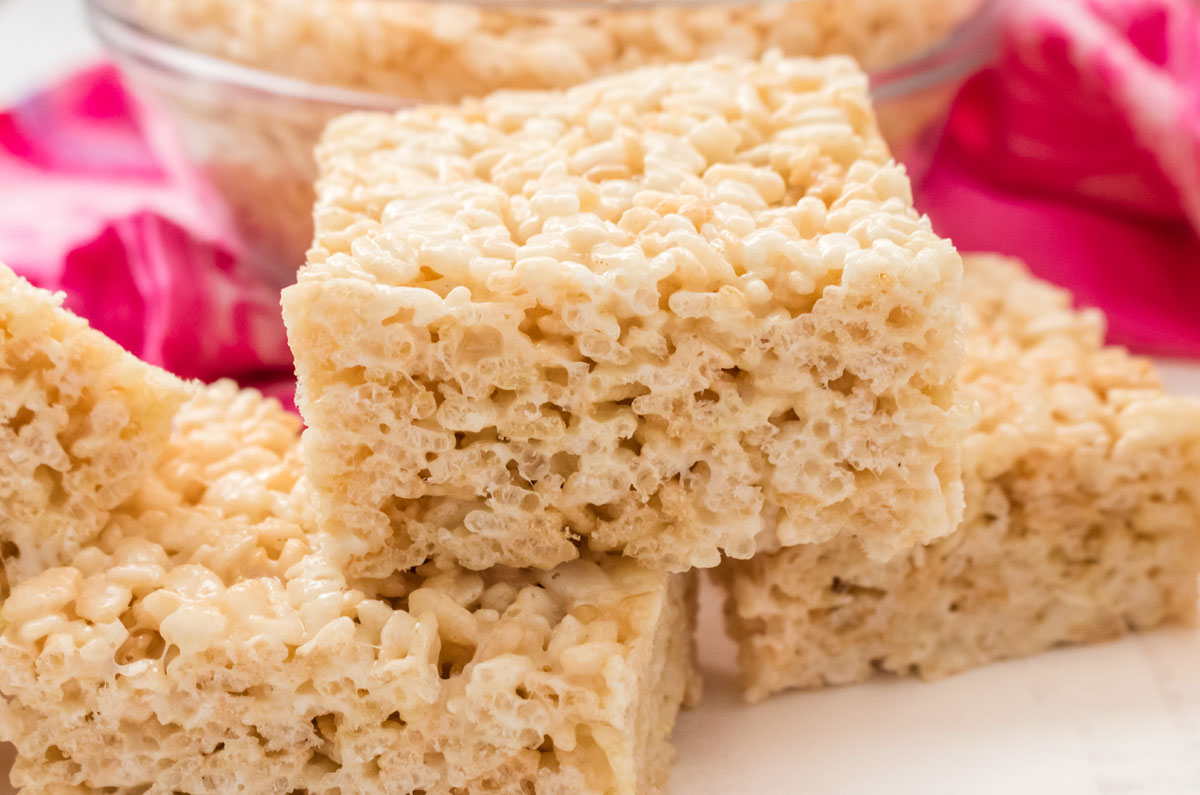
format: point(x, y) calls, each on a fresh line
point(1079, 151)
point(86, 208)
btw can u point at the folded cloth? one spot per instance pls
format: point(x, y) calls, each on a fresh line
point(1079, 151)
point(86, 208)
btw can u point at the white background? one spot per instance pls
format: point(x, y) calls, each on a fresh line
point(1118, 719)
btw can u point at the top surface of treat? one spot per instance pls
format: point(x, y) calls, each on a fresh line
point(81, 423)
point(719, 172)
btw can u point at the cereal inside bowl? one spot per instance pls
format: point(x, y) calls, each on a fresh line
point(438, 51)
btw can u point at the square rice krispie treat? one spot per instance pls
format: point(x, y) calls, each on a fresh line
point(673, 313)
point(205, 643)
point(81, 423)
point(1082, 520)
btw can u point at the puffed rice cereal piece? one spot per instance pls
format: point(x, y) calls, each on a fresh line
point(1082, 521)
point(207, 644)
point(81, 423)
point(678, 312)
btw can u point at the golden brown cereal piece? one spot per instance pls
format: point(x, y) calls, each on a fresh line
point(206, 644)
point(1082, 522)
point(676, 312)
point(81, 423)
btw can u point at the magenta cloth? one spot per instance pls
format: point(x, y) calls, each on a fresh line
point(1079, 151)
point(86, 208)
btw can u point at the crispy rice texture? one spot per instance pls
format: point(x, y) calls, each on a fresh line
point(205, 643)
point(1082, 520)
point(81, 423)
point(678, 312)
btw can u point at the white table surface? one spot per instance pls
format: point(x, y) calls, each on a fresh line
point(40, 39)
point(1115, 719)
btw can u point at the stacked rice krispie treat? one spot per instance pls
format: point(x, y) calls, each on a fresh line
point(1082, 516)
point(675, 313)
point(656, 318)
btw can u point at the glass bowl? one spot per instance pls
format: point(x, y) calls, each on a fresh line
point(237, 92)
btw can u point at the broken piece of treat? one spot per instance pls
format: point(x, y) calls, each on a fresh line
point(81, 423)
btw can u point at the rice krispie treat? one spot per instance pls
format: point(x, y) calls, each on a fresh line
point(206, 643)
point(1082, 521)
point(81, 423)
point(664, 313)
